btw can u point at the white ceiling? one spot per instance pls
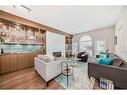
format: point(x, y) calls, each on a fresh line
point(70, 19)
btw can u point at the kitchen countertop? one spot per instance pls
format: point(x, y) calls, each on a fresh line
point(15, 53)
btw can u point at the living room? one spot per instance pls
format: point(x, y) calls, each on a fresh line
point(51, 51)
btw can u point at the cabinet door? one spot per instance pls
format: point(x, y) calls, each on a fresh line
point(19, 58)
point(4, 64)
point(32, 55)
point(23, 60)
point(27, 58)
point(13, 62)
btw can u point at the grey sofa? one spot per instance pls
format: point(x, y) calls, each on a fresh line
point(118, 74)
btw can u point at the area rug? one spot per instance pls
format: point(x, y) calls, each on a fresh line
point(80, 79)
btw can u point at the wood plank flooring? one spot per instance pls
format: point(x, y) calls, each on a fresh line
point(27, 79)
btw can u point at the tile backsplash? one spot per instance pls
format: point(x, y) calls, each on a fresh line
point(20, 48)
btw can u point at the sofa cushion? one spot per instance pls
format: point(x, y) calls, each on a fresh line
point(40, 56)
point(46, 58)
point(116, 62)
point(123, 65)
point(111, 55)
point(106, 61)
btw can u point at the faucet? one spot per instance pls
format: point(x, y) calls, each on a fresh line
point(2, 51)
point(2, 40)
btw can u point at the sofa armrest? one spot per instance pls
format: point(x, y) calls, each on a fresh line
point(47, 70)
point(40, 67)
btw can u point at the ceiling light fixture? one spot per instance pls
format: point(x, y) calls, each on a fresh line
point(24, 7)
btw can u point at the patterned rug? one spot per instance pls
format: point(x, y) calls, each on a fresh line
point(80, 79)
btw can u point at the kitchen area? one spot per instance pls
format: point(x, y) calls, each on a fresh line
point(19, 44)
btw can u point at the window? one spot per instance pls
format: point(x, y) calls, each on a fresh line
point(85, 44)
point(100, 46)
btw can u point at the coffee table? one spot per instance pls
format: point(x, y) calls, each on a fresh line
point(67, 68)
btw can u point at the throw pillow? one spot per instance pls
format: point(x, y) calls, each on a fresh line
point(51, 57)
point(44, 58)
point(40, 56)
point(106, 61)
point(84, 54)
point(117, 62)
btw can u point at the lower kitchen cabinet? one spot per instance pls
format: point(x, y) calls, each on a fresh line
point(13, 64)
point(4, 64)
point(17, 61)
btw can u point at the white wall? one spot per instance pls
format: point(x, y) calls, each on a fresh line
point(104, 34)
point(55, 43)
point(121, 33)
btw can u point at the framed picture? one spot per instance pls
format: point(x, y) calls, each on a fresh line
point(115, 40)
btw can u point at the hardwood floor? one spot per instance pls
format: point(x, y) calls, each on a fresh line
point(27, 79)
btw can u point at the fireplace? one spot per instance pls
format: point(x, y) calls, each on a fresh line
point(57, 54)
